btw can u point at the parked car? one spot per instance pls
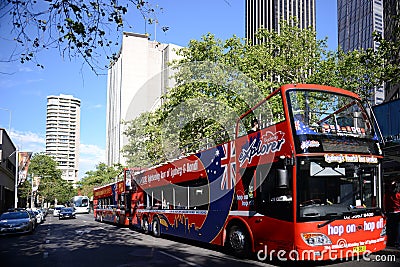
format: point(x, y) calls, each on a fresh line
point(57, 210)
point(67, 213)
point(39, 217)
point(42, 214)
point(33, 218)
point(45, 211)
point(16, 222)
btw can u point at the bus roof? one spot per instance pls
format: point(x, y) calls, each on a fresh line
point(302, 86)
point(319, 87)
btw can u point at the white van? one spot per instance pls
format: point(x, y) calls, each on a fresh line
point(57, 210)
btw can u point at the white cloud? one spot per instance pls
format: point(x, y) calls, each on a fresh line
point(92, 150)
point(90, 156)
point(28, 141)
point(25, 69)
point(95, 106)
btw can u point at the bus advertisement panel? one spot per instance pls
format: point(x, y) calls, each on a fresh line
point(306, 183)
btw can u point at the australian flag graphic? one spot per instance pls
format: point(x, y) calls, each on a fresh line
point(302, 129)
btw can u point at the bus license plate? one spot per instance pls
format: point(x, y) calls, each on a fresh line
point(359, 249)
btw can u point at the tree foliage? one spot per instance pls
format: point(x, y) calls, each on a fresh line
point(234, 75)
point(102, 175)
point(51, 185)
point(24, 193)
point(86, 29)
point(146, 144)
point(44, 166)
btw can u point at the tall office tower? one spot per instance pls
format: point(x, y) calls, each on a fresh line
point(357, 20)
point(391, 15)
point(136, 81)
point(63, 134)
point(268, 14)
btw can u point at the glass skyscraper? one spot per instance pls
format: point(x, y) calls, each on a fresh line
point(391, 15)
point(357, 20)
point(268, 14)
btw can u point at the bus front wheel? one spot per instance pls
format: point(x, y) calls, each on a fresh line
point(156, 227)
point(238, 241)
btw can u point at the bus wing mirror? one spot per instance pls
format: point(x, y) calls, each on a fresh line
point(283, 179)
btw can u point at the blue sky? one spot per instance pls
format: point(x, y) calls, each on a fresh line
point(24, 90)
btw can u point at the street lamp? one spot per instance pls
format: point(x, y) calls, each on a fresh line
point(16, 177)
point(32, 178)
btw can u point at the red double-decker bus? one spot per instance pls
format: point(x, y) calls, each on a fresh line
point(109, 203)
point(305, 185)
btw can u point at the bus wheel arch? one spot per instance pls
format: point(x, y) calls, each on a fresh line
point(155, 226)
point(238, 240)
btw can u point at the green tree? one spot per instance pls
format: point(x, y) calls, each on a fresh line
point(102, 175)
point(145, 140)
point(24, 193)
point(44, 166)
point(51, 185)
point(85, 29)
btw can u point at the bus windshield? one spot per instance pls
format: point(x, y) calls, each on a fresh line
point(325, 121)
point(318, 112)
point(329, 189)
point(81, 201)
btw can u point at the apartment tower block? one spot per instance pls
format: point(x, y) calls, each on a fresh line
point(63, 134)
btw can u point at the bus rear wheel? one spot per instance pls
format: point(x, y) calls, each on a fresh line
point(238, 241)
point(145, 225)
point(156, 227)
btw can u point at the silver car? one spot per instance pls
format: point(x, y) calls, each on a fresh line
point(16, 222)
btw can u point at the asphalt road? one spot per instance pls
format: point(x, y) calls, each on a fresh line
point(84, 242)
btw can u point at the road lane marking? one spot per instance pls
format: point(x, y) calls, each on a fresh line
point(179, 259)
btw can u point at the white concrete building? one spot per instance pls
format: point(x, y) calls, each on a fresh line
point(63, 134)
point(136, 80)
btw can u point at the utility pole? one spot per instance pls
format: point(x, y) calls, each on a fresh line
point(16, 178)
point(32, 178)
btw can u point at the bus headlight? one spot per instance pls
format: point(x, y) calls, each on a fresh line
point(316, 239)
